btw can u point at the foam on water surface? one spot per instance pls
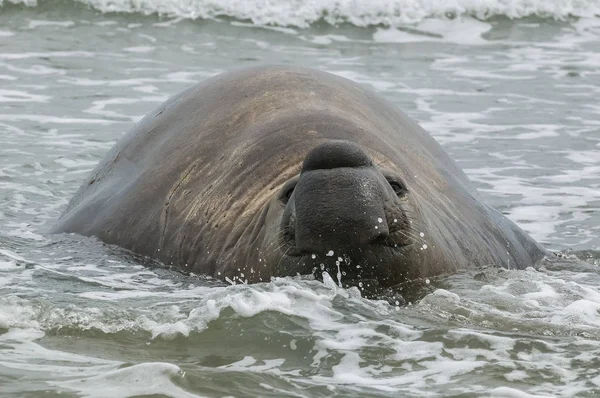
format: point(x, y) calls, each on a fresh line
point(302, 13)
point(501, 322)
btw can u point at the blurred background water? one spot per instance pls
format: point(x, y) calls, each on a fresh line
point(509, 88)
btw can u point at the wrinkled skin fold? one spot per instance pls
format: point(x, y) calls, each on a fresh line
point(277, 171)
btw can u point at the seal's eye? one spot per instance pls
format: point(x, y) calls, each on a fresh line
point(287, 191)
point(398, 188)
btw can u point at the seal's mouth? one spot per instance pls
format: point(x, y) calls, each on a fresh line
point(387, 245)
point(382, 261)
point(398, 240)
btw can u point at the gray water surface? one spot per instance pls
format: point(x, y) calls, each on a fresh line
point(515, 102)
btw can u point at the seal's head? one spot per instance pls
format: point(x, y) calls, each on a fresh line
point(345, 215)
point(202, 184)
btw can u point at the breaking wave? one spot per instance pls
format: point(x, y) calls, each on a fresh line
point(302, 13)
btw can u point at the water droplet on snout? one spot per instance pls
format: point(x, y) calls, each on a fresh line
point(379, 220)
point(329, 253)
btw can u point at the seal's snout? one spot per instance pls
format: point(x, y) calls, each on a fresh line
point(339, 200)
point(335, 154)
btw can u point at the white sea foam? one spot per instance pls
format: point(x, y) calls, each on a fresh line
point(490, 322)
point(91, 377)
point(302, 13)
point(153, 378)
point(462, 30)
point(507, 392)
point(33, 24)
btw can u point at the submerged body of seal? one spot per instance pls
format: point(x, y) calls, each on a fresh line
point(276, 171)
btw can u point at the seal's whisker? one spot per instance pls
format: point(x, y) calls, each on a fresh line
point(278, 248)
point(412, 236)
point(418, 238)
point(282, 256)
point(413, 239)
point(274, 245)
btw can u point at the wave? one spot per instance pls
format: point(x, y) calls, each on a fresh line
point(303, 13)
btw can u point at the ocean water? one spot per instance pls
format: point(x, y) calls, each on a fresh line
point(509, 88)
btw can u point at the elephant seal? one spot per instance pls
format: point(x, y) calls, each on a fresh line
point(277, 171)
